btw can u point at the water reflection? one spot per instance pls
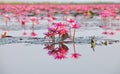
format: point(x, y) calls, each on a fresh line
point(60, 51)
point(93, 43)
point(75, 54)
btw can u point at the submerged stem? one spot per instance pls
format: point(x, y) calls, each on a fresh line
point(74, 47)
point(70, 31)
point(33, 27)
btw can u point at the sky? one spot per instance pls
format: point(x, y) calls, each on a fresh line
point(116, 1)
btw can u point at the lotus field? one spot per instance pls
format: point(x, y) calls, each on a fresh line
point(55, 25)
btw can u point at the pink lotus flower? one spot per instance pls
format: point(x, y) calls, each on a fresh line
point(66, 13)
point(48, 35)
point(62, 31)
point(75, 25)
point(52, 28)
point(50, 19)
point(48, 15)
point(7, 16)
point(37, 11)
point(60, 24)
point(70, 20)
point(105, 13)
point(33, 19)
point(33, 34)
point(117, 18)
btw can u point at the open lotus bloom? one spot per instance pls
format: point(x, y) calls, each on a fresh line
point(7, 16)
point(70, 20)
point(75, 25)
point(37, 11)
point(63, 31)
point(33, 19)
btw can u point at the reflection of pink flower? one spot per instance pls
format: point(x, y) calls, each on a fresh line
point(105, 33)
point(111, 33)
point(54, 18)
point(49, 47)
point(76, 55)
point(33, 34)
point(23, 22)
point(114, 25)
point(118, 29)
point(52, 52)
point(62, 50)
point(104, 27)
point(42, 18)
point(37, 21)
point(60, 56)
point(24, 33)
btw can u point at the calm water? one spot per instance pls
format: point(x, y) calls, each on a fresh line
point(33, 59)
